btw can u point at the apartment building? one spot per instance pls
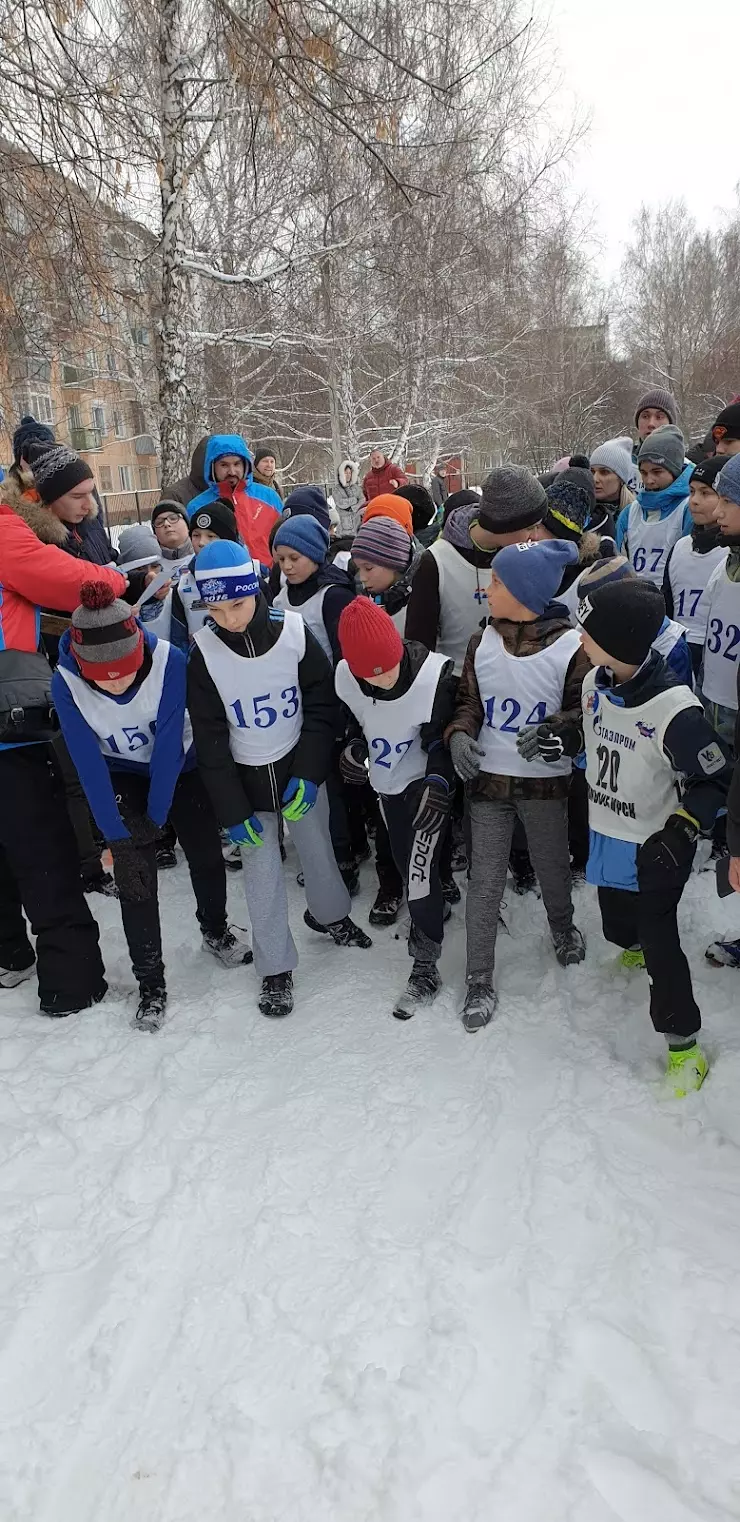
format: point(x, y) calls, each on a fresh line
point(78, 332)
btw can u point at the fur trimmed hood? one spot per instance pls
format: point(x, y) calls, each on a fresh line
point(40, 519)
point(352, 465)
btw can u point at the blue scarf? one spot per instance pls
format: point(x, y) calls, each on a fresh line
point(668, 499)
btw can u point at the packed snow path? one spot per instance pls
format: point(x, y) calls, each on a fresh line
point(340, 1269)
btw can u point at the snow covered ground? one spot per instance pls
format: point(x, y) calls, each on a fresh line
point(340, 1269)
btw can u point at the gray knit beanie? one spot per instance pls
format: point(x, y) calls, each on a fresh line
point(660, 399)
point(727, 483)
point(511, 499)
point(137, 547)
point(616, 455)
point(665, 446)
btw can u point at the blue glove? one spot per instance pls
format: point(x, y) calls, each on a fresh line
point(248, 833)
point(298, 798)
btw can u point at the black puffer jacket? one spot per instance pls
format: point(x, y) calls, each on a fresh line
point(238, 791)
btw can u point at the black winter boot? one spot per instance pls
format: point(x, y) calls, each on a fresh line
point(276, 997)
point(152, 1007)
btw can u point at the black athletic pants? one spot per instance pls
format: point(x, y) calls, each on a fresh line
point(417, 859)
point(197, 831)
point(89, 845)
point(648, 919)
point(40, 871)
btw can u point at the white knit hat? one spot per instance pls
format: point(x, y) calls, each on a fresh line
point(616, 455)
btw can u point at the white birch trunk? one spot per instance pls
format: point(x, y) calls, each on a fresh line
point(174, 322)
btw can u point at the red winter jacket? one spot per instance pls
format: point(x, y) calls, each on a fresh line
point(377, 481)
point(34, 572)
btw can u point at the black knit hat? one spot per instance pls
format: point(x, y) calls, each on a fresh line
point(262, 452)
point(708, 470)
point(511, 499)
point(218, 518)
point(30, 431)
point(423, 510)
point(56, 469)
point(168, 505)
point(571, 501)
point(727, 425)
point(623, 618)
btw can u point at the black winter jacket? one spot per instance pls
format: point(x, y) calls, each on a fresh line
point(340, 592)
point(238, 791)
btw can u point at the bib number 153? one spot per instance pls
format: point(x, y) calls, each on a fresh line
point(264, 712)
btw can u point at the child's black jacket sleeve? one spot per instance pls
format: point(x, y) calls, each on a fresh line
point(695, 750)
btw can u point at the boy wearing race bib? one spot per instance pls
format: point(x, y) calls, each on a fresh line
point(657, 776)
point(261, 698)
point(189, 612)
point(120, 695)
point(648, 529)
point(719, 678)
point(718, 675)
point(693, 560)
point(525, 667)
point(402, 697)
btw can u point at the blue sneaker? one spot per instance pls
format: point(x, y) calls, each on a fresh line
point(723, 953)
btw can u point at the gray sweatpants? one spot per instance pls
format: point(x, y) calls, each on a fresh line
point(263, 877)
point(545, 822)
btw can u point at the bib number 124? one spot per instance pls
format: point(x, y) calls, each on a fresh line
point(508, 713)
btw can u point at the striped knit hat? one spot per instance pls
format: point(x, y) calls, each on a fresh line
point(382, 541)
point(56, 469)
point(106, 639)
point(224, 572)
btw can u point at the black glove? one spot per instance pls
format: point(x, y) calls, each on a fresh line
point(141, 828)
point(435, 803)
point(133, 878)
point(550, 741)
point(352, 766)
point(667, 856)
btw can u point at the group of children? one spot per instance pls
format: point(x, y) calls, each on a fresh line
point(561, 648)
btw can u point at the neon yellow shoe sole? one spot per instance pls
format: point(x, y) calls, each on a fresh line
point(634, 956)
point(686, 1071)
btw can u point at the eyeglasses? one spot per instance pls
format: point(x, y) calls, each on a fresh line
point(169, 518)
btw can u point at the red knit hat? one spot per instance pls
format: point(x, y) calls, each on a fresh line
point(370, 641)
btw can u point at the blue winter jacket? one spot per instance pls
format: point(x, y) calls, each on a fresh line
point(665, 502)
point(690, 745)
point(231, 443)
point(168, 757)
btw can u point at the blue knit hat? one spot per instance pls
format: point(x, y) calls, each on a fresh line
point(308, 501)
point(224, 571)
point(533, 572)
point(727, 483)
point(306, 535)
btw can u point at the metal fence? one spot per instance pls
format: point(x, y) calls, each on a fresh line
point(122, 507)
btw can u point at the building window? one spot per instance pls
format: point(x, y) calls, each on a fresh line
point(145, 477)
point(126, 477)
point(97, 418)
point(112, 364)
point(140, 337)
point(74, 419)
point(39, 405)
point(106, 479)
point(91, 362)
point(138, 424)
point(119, 425)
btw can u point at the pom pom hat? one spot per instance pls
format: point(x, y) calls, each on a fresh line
point(106, 639)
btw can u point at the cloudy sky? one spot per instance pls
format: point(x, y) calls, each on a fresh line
point(664, 106)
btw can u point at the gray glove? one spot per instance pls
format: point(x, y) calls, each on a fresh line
point(466, 755)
